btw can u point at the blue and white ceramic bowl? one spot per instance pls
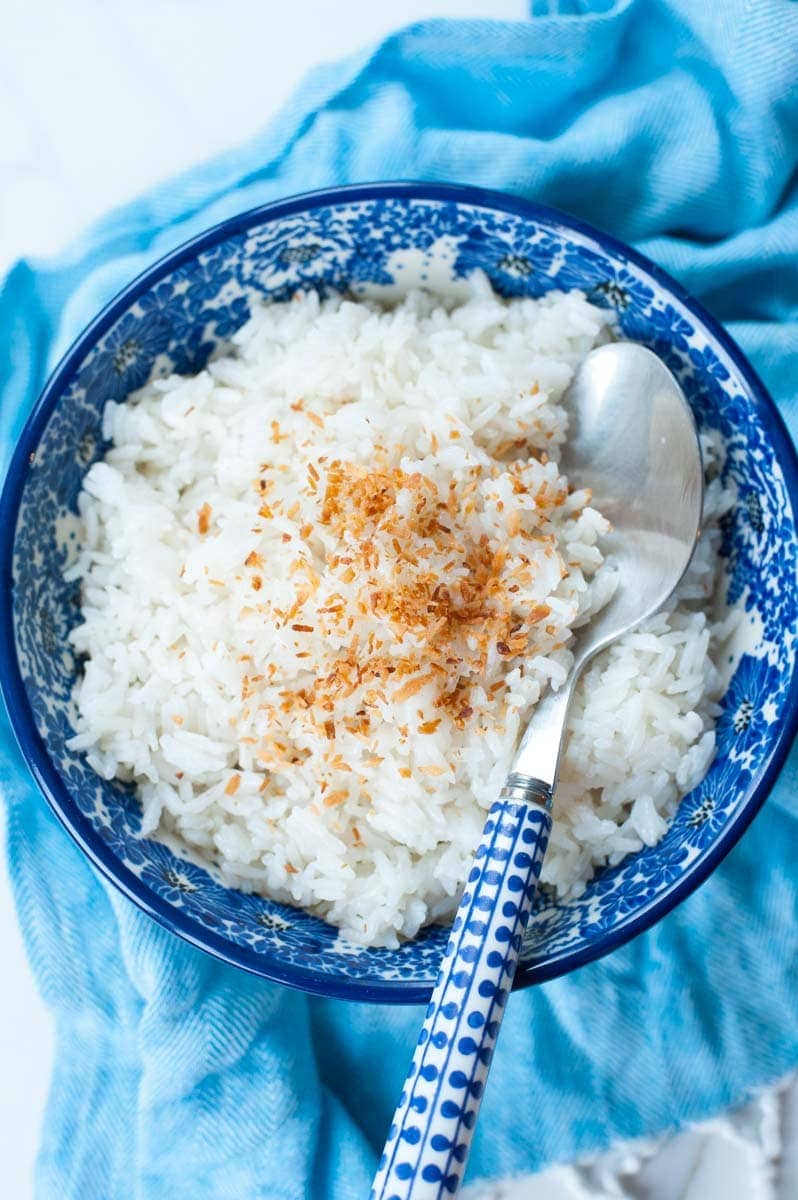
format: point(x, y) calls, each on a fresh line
point(392, 236)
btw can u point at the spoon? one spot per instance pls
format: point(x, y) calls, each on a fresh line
point(633, 441)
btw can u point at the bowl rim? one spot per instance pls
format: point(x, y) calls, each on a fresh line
point(269, 965)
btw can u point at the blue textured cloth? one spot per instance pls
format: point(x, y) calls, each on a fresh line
point(674, 126)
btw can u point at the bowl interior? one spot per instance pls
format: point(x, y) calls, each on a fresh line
point(381, 242)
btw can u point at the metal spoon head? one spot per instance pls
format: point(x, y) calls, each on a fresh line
point(632, 440)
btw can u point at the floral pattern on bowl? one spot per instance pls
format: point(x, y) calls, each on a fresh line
point(382, 239)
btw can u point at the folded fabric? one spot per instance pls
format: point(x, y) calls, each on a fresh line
point(674, 126)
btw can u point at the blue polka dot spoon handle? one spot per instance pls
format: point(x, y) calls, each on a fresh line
point(429, 1140)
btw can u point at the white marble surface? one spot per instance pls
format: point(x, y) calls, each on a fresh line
point(98, 100)
point(748, 1154)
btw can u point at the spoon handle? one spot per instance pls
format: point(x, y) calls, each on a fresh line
point(429, 1140)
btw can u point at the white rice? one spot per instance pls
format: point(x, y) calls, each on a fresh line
point(224, 578)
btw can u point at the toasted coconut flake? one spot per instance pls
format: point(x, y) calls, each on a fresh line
point(412, 687)
point(332, 799)
point(204, 519)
